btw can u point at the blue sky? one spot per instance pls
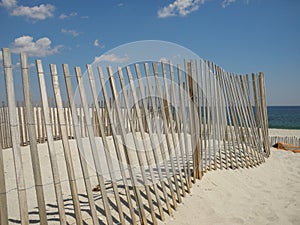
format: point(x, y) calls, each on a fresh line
point(242, 36)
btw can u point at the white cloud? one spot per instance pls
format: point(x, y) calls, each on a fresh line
point(226, 3)
point(1, 56)
point(42, 47)
point(111, 58)
point(120, 4)
point(64, 16)
point(97, 44)
point(40, 12)
point(74, 33)
point(8, 3)
point(180, 8)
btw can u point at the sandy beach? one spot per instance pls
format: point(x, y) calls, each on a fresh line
point(268, 194)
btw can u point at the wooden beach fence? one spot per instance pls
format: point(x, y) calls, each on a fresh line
point(131, 149)
point(286, 139)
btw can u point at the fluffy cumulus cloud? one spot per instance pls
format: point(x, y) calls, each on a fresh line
point(180, 8)
point(112, 58)
point(40, 48)
point(40, 12)
point(185, 7)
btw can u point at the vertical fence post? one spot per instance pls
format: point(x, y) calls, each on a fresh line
point(94, 148)
point(50, 142)
point(143, 134)
point(151, 135)
point(165, 128)
point(132, 172)
point(28, 111)
point(6, 131)
point(62, 126)
point(15, 137)
point(111, 169)
point(3, 195)
point(77, 136)
point(157, 125)
point(264, 113)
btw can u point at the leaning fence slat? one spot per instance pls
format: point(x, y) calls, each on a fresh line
point(142, 126)
point(19, 112)
point(264, 113)
point(25, 126)
point(30, 124)
point(101, 128)
point(159, 131)
point(94, 148)
point(165, 85)
point(66, 146)
point(38, 122)
point(132, 172)
point(78, 138)
point(3, 194)
point(165, 128)
point(50, 143)
point(106, 146)
point(152, 135)
point(240, 122)
point(181, 93)
point(7, 138)
point(136, 143)
point(15, 136)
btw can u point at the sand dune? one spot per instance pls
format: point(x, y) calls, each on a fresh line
point(268, 194)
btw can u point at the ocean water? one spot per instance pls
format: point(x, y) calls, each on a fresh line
point(284, 117)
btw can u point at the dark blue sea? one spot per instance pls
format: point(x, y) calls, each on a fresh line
point(284, 117)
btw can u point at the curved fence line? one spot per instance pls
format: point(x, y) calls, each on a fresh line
point(124, 145)
point(287, 139)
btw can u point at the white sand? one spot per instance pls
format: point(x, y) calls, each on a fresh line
point(268, 194)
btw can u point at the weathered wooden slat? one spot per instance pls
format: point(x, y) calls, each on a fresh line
point(30, 124)
point(163, 151)
point(50, 143)
point(3, 193)
point(38, 121)
point(175, 143)
point(142, 127)
point(182, 107)
point(83, 163)
point(106, 146)
point(15, 136)
point(94, 148)
point(152, 135)
point(165, 128)
point(137, 144)
point(65, 142)
point(120, 120)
